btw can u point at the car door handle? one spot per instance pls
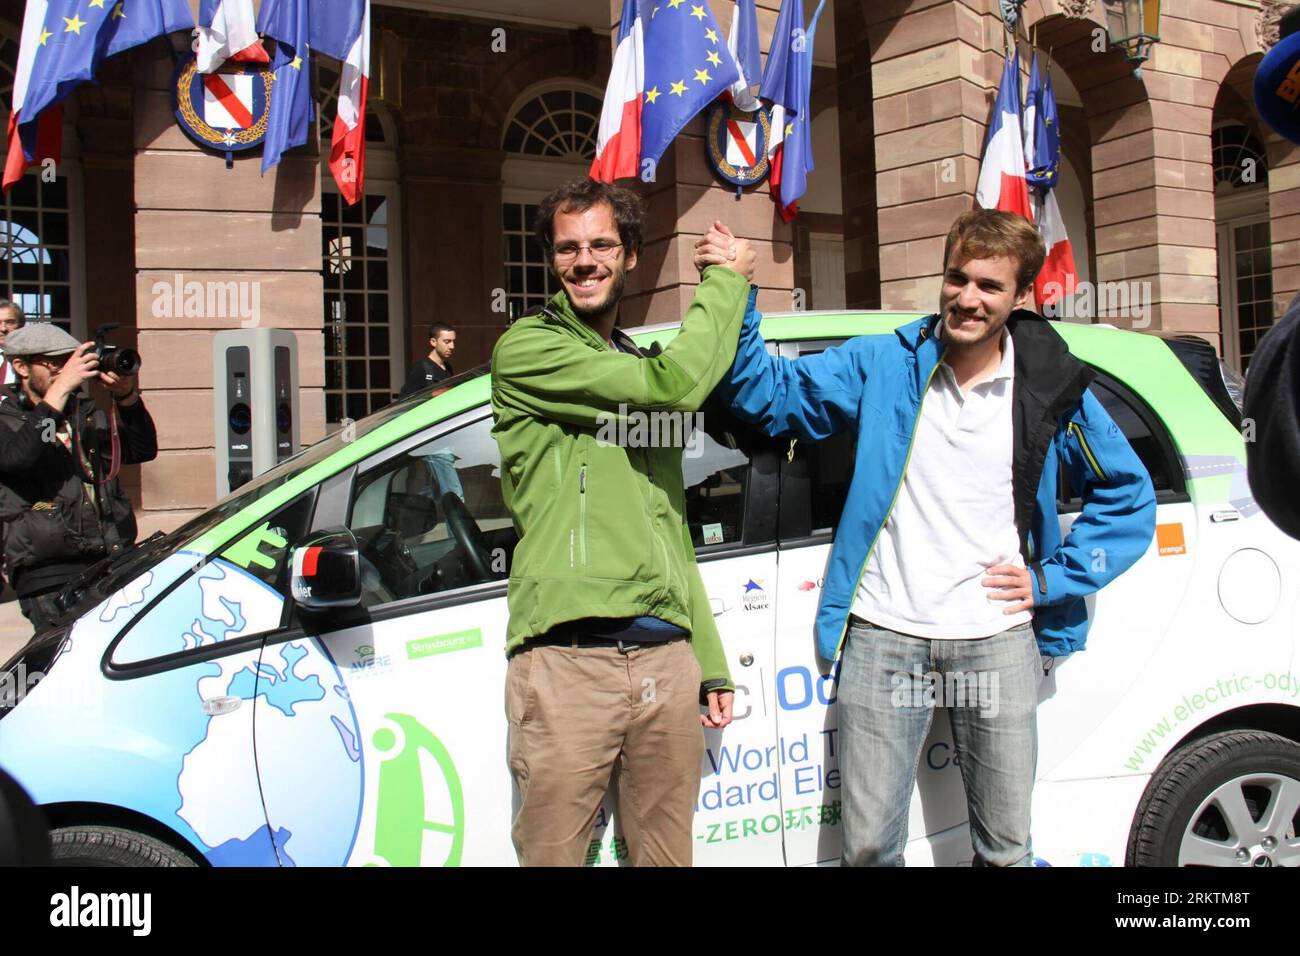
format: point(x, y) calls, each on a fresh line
point(717, 606)
point(1227, 514)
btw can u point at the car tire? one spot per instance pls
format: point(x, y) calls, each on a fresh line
point(111, 846)
point(1222, 800)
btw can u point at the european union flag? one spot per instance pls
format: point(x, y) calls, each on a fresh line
point(70, 39)
point(295, 28)
point(787, 81)
point(288, 124)
point(781, 83)
point(687, 67)
point(1043, 158)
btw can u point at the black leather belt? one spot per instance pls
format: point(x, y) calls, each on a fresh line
point(559, 638)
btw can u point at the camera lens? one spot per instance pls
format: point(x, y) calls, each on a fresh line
point(125, 361)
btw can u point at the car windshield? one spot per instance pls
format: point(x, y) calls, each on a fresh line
point(102, 579)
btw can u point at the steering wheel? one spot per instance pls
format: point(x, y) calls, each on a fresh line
point(390, 556)
point(468, 537)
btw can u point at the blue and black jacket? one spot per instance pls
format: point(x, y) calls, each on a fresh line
point(875, 384)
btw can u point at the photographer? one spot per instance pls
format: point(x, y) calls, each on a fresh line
point(60, 502)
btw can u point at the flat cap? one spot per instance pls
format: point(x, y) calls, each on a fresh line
point(39, 338)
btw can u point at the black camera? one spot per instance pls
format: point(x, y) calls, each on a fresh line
point(111, 358)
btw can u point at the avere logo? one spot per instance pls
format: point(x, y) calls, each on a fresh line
point(420, 813)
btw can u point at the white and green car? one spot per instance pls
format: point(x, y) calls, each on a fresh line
point(311, 673)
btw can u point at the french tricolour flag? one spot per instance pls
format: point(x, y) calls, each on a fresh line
point(1002, 173)
point(1059, 271)
point(228, 31)
point(347, 36)
point(618, 145)
point(742, 41)
point(49, 137)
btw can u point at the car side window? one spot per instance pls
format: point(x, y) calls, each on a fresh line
point(716, 478)
point(1145, 434)
point(815, 476)
point(432, 519)
point(240, 591)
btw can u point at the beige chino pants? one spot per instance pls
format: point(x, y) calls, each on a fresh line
point(574, 714)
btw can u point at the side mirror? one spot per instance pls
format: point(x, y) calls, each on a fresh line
point(327, 571)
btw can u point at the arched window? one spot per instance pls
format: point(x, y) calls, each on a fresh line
point(1243, 236)
point(550, 139)
point(1238, 156)
point(41, 251)
point(361, 264)
point(562, 124)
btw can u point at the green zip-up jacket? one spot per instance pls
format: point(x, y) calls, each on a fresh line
point(602, 528)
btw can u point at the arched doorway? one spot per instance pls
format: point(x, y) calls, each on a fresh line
point(1243, 237)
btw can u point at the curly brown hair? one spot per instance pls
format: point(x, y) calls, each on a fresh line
point(992, 234)
point(579, 196)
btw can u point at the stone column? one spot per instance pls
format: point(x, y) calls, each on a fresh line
point(857, 158)
point(682, 203)
point(198, 222)
point(454, 270)
point(1153, 182)
point(1284, 219)
point(930, 67)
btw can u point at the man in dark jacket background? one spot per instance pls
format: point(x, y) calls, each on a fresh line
point(60, 502)
point(436, 366)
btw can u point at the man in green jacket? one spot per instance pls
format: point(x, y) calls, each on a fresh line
point(611, 640)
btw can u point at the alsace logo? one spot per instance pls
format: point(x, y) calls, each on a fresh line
point(754, 596)
point(368, 663)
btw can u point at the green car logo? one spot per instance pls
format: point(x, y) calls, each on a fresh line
point(401, 827)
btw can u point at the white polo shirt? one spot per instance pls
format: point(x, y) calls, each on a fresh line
point(954, 517)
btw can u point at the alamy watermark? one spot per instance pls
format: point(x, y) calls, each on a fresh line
point(1099, 300)
point(974, 689)
point(18, 683)
point(640, 429)
point(179, 299)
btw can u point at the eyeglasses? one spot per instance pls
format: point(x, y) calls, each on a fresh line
point(602, 250)
point(53, 363)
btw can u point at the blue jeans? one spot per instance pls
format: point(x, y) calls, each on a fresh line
point(889, 686)
point(442, 473)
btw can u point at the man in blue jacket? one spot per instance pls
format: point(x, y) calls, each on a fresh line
point(948, 560)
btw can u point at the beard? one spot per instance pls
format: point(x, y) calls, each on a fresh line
point(617, 280)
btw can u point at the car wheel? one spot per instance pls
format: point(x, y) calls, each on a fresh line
point(1231, 799)
point(111, 846)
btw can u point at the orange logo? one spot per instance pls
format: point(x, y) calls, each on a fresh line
point(1169, 538)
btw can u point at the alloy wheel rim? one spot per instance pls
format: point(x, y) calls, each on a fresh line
point(1248, 821)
